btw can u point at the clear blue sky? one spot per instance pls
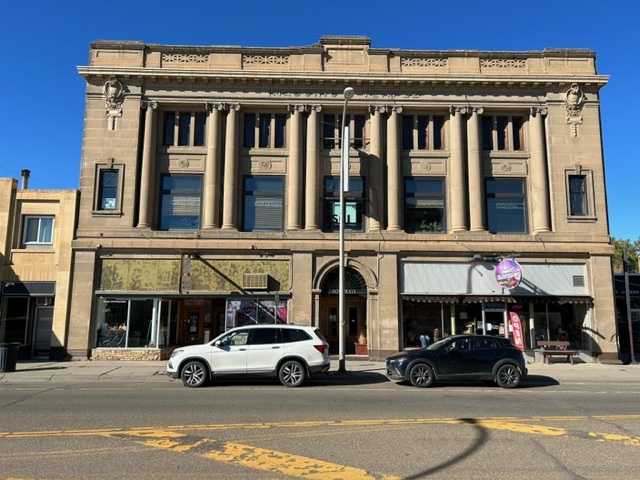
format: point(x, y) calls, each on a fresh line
point(43, 41)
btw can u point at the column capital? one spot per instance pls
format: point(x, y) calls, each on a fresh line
point(538, 111)
point(221, 106)
point(462, 110)
point(478, 110)
point(297, 107)
point(144, 104)
point(373, 109)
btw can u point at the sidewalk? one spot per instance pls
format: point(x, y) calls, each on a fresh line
point(87, 371)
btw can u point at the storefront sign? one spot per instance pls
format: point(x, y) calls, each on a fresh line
point(508, 273)
point(515, 328)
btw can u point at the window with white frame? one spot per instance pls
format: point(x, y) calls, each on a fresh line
point(502, 132)
point(183, 128)
point(37, 231)
point(422, 132)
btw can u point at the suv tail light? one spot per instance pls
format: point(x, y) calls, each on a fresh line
point(320, 348)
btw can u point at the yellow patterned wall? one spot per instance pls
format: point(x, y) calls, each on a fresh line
point(149, 275)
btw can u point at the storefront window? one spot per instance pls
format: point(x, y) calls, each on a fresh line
point(251, 312)
point(124, 323)
point(561, 322)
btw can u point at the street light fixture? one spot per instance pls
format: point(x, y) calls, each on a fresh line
point(344, 187)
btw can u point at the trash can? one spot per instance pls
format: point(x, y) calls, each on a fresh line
point(8, 356)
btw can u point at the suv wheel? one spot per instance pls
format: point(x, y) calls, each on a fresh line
point(194, 374)
point(421, 375)
point(508, 376)
point(291, 373)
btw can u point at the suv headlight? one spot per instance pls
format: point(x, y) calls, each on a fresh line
point(176, 353)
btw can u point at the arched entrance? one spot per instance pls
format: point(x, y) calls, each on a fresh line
point(355, 303)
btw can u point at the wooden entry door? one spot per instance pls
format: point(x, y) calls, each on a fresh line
point(192, 320)
point(355, 322)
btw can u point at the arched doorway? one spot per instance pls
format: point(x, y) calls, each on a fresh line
point(355, 303)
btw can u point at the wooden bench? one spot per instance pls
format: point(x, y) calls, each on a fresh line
point(549, 348)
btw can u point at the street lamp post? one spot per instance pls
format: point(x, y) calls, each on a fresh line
point(344, 187)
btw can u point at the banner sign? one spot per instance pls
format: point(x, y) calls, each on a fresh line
point(515, 327)
point(508, 273)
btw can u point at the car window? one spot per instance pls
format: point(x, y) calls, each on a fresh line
point(482, 343)
point(294, 335)
point(238, 337)
point(460, 344)
point(264, 336)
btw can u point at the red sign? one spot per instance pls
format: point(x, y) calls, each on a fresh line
point(516, 328)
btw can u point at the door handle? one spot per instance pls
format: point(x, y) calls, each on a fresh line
point(275, 347)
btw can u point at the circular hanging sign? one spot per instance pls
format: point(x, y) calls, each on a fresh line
point(508, 273)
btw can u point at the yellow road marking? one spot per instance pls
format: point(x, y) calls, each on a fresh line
point(287, 464)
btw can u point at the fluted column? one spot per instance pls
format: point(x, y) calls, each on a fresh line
point(312, 179)
point(457, 198)
point(394, 171)
point(539, 180)
point(211, 195)
point(230, 204)
point(475, 173)
point(294, 178)
point(376, 187)
point(146, 172)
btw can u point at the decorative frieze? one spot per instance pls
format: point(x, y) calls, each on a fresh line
point(265, 59)
point(423, 62)
point(182, 58)
point(502, 63)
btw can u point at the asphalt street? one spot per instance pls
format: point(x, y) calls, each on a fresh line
point(81, 371)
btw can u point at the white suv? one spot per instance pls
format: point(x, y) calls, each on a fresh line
point(291, 352)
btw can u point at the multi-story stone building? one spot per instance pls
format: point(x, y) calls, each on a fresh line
point(210, 195)
point(36, 230)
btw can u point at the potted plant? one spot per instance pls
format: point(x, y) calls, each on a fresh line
point(361, 345)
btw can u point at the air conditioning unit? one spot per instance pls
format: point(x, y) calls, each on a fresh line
point(255, 281)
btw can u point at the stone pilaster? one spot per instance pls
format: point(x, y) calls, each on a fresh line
point(474, 171)
point(394, 171)
point(230, 206)
point(211, 194)
point(539, 178)
point(294, 176)
point(312, 178)
point(456, 172)
point(376, 169)
point(148, 155)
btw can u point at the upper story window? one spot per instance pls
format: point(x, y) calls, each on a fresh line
point(183, 129)
point(424, 205)
point(263, 204)
point(37, 231)
point(506, 205)
point(578, 205)
point(353, 204)
point(107, 189)
point(502, 132)
point(422, 132)
point(264, 130)
point(332, 131)
point(180, 198)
